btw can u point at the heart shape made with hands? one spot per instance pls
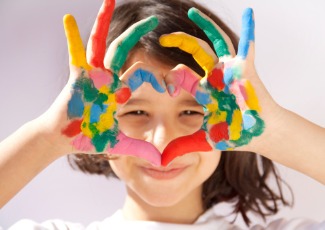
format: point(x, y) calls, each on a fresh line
point(231, 106)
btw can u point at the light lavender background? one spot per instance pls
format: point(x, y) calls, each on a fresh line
point(290, 60)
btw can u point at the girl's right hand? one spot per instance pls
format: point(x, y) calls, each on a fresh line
point(82, 117)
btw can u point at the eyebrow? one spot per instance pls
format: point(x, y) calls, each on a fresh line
point(182, 102)
point(135, 101)
point(189, 102)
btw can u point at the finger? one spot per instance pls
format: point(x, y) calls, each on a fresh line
point(139, 73)
point(97, 43)
point(76, 49)
point(138, 148)
point(247, 37)
point(200, 50)
point(121, 46)
point(221, 42)
point(182, 77)
point(193, 143)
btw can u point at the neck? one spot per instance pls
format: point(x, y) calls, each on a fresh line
point(184, 212)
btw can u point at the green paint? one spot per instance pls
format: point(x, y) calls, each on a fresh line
point(88, 88)
point(101, 98)
point(259, 126)
point(245, 138)
point(130, 41)
point(237, 72)
point(226, 102)
point(247, 135)
point(100, 141)
point(116, 83)
point(211, 31)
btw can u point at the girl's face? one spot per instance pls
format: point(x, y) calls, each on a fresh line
point(158, 119)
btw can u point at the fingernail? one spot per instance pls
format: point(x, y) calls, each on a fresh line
point(171, 89)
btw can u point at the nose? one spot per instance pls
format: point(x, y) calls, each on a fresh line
point(163, 133)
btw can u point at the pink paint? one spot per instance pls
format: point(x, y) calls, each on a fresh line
point(83, 143)
point(137, 148)
point(243, 90)
point(100, 77)
point(236, 89)
point(185, 79)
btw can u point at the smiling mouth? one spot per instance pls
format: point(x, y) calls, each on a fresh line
point(163, 173)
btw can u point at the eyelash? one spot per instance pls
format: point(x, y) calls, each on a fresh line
point(142, 113)
point(190, 113)
point(137, 113)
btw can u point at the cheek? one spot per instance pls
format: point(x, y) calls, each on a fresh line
point(209, 161)
point(121, 167)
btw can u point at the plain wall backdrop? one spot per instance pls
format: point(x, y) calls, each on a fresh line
point(290, 47)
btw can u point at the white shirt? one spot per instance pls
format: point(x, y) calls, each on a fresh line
point(208, 220)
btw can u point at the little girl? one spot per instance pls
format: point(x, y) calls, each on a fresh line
point(160, 106)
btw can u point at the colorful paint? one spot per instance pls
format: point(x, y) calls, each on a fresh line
point(97, 91)
point(230, 102)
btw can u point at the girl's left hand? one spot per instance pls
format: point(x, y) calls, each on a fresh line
point(238, 107)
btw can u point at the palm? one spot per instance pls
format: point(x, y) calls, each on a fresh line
point(97, 89)
point(232, 109)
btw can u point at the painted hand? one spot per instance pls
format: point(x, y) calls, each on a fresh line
point(232, 109)
point(97, 89)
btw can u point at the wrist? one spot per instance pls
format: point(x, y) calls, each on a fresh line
point(46, 140)
point(274, 131)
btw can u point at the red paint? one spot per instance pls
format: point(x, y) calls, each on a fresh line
point(183, 145)
point(73, 128)
point(215, 78)
point(122, 95)
point(100, 32)
point(219, 132)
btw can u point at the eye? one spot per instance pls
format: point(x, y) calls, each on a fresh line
point(137, 113)
point(191, 113)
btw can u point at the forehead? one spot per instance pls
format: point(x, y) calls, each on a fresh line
point(141, 56)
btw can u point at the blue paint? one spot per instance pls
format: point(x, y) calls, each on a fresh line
point(249, 121)
point(247, 33)
point(226, 90)
point(96, 111)
point(202, 98)
point(75, 105)
point(222, 146)
point(140, 76)
point(171, 89)
point(228, 76)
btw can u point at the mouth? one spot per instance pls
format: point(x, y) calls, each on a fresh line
point(163, 173)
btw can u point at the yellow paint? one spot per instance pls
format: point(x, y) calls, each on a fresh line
point(105, 90)
point(76, 49)
point(251, 100)
point(106, 120)
point(190, 45)
point(216, 117)
point(236, 125)
point(85, 124)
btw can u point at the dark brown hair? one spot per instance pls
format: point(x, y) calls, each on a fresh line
point(241, 177)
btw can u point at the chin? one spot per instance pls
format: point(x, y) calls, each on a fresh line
point(164, 198)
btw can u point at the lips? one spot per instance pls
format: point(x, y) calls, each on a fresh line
point(163, 173)
point(192, 143)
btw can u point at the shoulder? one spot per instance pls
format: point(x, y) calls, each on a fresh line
point(296, 223)
point(55, 224)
